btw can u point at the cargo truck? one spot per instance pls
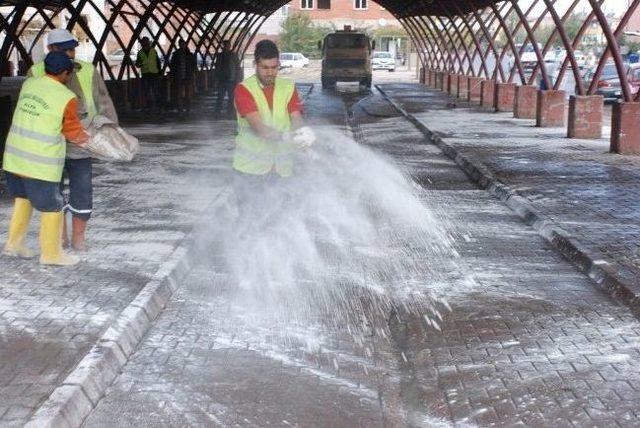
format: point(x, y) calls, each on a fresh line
point(346, 57)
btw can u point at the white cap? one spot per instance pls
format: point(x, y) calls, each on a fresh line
point(61, 37)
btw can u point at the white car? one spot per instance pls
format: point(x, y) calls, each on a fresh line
point(118, 56)
point(293, 60)
point(555, 56)
point(581, 59)
point(383, 61)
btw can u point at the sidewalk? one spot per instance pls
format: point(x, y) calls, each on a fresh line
point(583, 199)
point(50, 317)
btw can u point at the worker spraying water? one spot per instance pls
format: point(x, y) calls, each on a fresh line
point(270, 124)
point(332, 231)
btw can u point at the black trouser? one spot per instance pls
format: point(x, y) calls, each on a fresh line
point(226, 88)
point(183, 91)
point(151, 90)
point(80, 200)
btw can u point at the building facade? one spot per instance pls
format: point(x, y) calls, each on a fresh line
point(364, 15)
point(360, 14)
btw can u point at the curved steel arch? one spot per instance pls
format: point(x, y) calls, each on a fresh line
point(456, 36)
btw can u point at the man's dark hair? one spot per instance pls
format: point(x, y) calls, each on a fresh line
point(266, 49)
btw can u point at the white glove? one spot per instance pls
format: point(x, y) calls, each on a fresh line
point(304, 137)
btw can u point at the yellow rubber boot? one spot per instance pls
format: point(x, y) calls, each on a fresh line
point(51, 252)
point(15, 246)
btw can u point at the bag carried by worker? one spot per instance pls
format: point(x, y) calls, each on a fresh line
point(109, 142)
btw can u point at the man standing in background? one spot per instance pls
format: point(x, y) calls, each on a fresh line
point(149, 64)
point(227, 69)
point(93, 99)
point(183, 72)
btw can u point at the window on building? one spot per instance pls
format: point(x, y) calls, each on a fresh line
point(360, 4)
point(306, 4)
point(324, 4)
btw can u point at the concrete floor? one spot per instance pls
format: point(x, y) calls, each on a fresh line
point(527, 341)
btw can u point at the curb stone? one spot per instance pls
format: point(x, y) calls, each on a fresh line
point(72, 401)
point(595, 265)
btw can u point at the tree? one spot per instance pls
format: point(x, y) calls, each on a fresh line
point(299, 34)
point(573, 23)
point(511, 21)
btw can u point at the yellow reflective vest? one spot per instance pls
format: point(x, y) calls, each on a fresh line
point(35, 146)
point(85, 78)
point(255, 155)
point(148, 61)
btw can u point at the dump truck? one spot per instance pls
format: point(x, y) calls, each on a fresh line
point(346, 57)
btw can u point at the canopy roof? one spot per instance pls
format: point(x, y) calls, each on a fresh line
point(399, 8)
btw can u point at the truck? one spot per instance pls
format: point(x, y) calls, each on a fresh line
point(346, 57)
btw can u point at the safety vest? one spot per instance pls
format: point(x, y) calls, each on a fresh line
point(255, 155)
point(35, 145)
point(148, 61)
point(85, 79)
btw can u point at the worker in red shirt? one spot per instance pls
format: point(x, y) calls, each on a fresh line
point(270, 131)
point(269, 113)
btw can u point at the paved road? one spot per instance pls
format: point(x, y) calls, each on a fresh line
point(50, 317)
point(527, 340)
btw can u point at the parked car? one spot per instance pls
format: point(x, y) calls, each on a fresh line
point(581, 59)
point(528, 59)
point(555, 56)
point(609, 82)
point(383, 61)
point(633, 74)
point(117, 56)
point(293, 60)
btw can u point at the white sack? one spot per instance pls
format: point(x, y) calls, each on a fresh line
point(109, 142)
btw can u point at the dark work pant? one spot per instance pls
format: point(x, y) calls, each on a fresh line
point(151, 90)
point(226, 89)
point(44, 195)
point(183, 91)
point(80, 200)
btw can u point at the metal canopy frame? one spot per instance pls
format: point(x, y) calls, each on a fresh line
point(468, 37)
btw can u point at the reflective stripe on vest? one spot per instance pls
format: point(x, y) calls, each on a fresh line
point(254, 155)
point(12, 150)
point(35, 146)
point(85, 80)
point(149, 63)
point(28, 133)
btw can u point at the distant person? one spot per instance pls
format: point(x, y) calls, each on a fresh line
point(227, 72)
point(46, 115)
point(148, 62)
point(183, 72)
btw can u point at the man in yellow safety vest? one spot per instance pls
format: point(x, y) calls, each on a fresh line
point(270, 131)
point(149, 64)
point(269, 114)
point(46, 114)
point(87, 84)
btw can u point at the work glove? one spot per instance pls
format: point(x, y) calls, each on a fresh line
point(304, 137)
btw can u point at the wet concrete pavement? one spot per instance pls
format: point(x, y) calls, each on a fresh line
point(577, 184)
point(528, 340)
point(50, 317)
